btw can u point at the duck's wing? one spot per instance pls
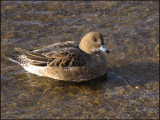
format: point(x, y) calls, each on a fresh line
point(67, 58)
point(63, 58)
point(58, 56)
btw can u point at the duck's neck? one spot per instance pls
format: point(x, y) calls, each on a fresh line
point(83, 48)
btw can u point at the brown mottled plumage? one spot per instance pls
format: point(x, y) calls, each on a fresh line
point(68, 61)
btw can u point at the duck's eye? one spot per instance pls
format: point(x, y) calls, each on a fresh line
point(95, 40)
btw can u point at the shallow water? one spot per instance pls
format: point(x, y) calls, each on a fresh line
point(130, 88)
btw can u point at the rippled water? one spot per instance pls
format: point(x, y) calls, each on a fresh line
point(130, 88)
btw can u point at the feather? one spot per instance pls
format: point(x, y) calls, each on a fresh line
point(41, 64)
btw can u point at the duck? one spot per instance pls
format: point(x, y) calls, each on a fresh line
point(66, 61)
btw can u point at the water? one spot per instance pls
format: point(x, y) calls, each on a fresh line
point(130, 88)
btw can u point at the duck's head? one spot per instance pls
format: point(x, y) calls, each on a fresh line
point(93, 42)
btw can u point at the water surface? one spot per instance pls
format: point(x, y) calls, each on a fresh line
point(130, 88)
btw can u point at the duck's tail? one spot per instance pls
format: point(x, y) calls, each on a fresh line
point(16, 58)
point(13, 59)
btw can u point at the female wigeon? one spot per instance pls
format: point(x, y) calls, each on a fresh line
point(67, 61)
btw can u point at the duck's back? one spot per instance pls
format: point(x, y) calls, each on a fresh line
point(58, 46)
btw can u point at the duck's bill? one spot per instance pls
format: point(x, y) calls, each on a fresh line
point(103, 48)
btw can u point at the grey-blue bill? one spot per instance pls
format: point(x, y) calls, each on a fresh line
point(104, 48)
